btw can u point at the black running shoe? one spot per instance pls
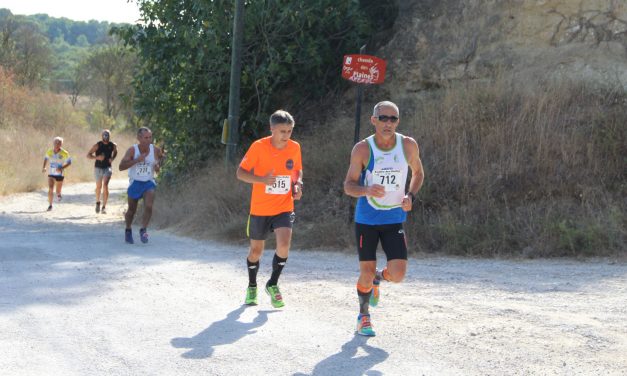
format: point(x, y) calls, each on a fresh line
point(143, 235)
point(128, 236)
point(98, 207)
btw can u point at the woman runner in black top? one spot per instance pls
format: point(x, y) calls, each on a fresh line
point(103, 152)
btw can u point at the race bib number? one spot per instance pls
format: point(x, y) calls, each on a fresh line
point(55, 169)
point(390, 179)
point(281, 185)
point(143, 170)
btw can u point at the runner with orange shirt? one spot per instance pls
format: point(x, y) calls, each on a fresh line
point(273, 165)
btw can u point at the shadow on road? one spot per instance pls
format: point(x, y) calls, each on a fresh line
point(223, 332)
point(346, 362)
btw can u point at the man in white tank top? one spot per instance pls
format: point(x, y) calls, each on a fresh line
point(142, 161)
point(377, 176)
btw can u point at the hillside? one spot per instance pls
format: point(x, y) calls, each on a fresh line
point(519, 111)
point(439, 42)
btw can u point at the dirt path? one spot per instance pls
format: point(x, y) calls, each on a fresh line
point(76, 300)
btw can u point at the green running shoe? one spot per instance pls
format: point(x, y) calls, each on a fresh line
point(251, 296)
point(375, 294)
point(275, 296)
point(364, 327)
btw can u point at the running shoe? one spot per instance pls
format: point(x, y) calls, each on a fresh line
point(251, 296)
point(49, 208)
point(58, 198)
point(103, 210)
point(98, 207)
point(375, 294)
point(128, 236)
point(275, 296)
point(143, 235)
point(364, 327)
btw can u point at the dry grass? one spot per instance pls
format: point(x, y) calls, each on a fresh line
point(510, 170)
point(29, 119)
point(209, 203)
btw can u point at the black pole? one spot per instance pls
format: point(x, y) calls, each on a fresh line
point(360, 91)
point(236, 71)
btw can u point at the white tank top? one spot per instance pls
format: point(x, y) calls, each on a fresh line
point(143, 171)
point(389, 169)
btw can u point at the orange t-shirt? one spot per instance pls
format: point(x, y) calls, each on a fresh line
point(261, 158)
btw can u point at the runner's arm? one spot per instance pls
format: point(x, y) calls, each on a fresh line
point(415, 164)
point(251, 178)
point(359, 155)
point(66, 164)
point(158, 158)
point(128, 159)
point(91, 154)
point(297, 187)
point(412, 153)
point(114, 153)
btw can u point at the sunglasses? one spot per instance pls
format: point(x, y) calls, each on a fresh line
point(386, 118)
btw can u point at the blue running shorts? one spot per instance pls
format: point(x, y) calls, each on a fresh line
point(137, 189)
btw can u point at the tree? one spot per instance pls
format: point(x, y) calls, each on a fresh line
point(106, 74)
point(8, 28)
point(292, 51)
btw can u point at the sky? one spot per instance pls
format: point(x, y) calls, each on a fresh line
point(78, 10)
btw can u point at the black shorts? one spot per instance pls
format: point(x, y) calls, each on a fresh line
point(392, 239)
point(57, 178)
point(258, 226)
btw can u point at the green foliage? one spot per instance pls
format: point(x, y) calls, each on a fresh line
point(107, 72)
point(292, 51)
point(45, 51)
point(573, 239)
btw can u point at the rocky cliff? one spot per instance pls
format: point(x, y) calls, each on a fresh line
point(437, 42)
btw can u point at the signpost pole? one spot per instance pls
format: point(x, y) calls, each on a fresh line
point(236, 70)
point(360, 91)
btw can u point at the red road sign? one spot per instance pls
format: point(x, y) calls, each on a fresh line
point(364, 69)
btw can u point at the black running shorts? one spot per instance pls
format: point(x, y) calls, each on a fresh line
point(392, 238)
point(258, 226)
point(57, 178)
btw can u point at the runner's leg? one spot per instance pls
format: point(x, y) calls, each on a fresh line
point(283, 240)
point(59, 187)
point(50, 190)
point(149, 199)
point(130, 213)
point(98, 188)
point(254, 255)
point(105, 190)
point(394, 245)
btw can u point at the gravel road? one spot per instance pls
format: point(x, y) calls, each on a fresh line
point(76, 300)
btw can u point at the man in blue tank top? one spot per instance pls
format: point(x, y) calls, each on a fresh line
point(103, 152)
point(377, 176)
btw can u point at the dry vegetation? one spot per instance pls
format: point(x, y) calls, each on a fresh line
point(29, 119)
point(509, 171)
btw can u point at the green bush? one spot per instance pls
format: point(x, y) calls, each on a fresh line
point(292, 51)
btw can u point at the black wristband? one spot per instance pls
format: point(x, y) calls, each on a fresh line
point(413, 198)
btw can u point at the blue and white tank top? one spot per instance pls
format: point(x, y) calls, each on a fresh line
point(387, 168)
point(143, 171)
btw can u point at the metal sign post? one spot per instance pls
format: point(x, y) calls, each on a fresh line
point(230, 130)
point(360, 93)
